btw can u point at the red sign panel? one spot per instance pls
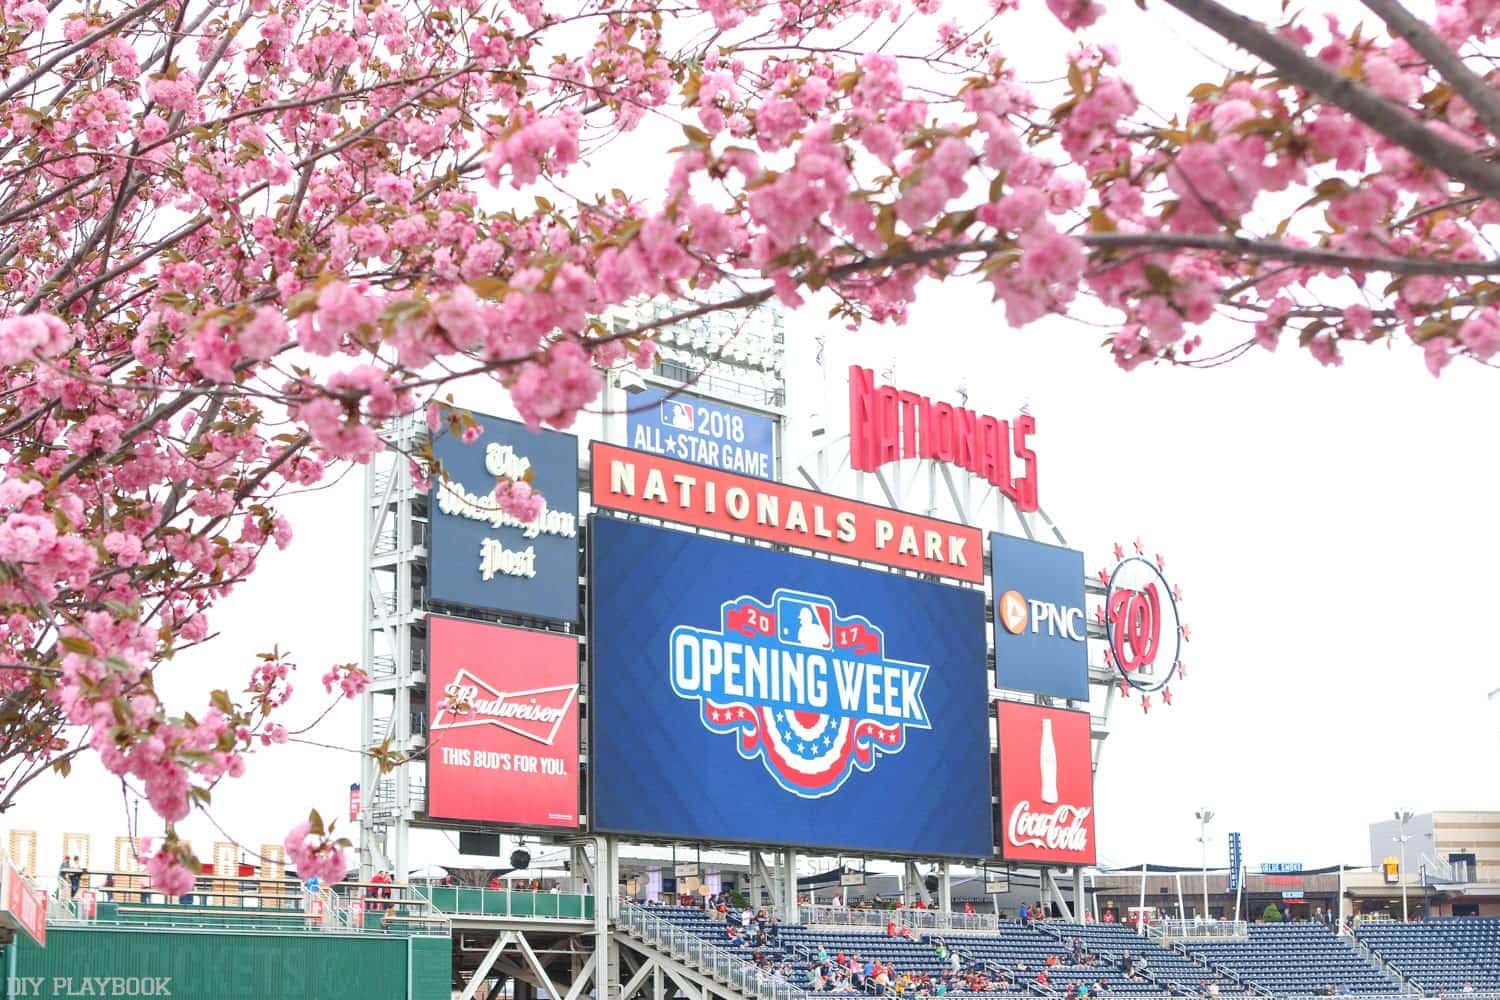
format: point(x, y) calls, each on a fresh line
point(22, 905)
point(1046, 785)
point(502, 724)
point(887, 424)
point(653, 486)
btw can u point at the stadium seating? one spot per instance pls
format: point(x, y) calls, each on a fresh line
point(1296, 958)
point(1440, 954)
point(716, 932)
point(1015, 944)
point(1169, 968)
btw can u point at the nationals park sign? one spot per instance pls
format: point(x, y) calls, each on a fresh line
point(887, 424)
point(656, 486)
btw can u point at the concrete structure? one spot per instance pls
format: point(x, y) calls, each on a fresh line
point(1443, 846)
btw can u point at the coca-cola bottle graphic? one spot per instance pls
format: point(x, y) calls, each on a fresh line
point(1049, 764)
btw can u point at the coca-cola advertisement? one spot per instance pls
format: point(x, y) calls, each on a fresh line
point(1046, 785)
point(503, 724)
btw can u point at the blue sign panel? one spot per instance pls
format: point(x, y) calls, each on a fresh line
point(1280, 867)
point(1236, 862)
point(741, 694)
point(481, 557)
point(1041, 624)
point(696, 430)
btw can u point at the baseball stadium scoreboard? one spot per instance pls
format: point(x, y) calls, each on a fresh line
point(688, 650)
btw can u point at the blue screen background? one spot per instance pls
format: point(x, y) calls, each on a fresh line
point(657, 771)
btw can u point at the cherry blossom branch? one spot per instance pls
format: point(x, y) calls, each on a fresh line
point(1380, 114)
point(1470, 85)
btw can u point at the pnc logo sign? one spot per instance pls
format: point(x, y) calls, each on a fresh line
point(1015, 612)
point(1041, 624)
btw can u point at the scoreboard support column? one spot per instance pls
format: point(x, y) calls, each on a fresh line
point(604, 885)
point(789, 912)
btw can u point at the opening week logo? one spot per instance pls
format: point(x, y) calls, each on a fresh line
point(808, 692)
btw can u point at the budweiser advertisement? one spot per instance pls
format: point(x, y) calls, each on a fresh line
point(655, 486)
point(503, 725)
point(1046, 785)
point(23, 906)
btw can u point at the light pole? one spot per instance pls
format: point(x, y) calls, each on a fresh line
point(1403, 816)
point(1204, 816)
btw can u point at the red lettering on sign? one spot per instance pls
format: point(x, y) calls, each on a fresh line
point(887, 424)
point(656, 486)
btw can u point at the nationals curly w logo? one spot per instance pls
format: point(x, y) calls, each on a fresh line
point(808, 692)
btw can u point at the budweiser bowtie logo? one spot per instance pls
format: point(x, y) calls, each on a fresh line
point(1061, 829)
point(536, 714)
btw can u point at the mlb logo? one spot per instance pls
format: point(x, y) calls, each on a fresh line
point(676, 413)
point(805, 623)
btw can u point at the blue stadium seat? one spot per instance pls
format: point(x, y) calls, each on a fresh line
point(1296, 958)
point(1439, 954)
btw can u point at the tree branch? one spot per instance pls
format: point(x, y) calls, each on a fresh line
point(1386, 117)
point(1470, 85)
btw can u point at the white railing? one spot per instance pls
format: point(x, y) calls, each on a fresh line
point(703, 955)
point(844, 916)
point(1199, 930)
point(909, 919)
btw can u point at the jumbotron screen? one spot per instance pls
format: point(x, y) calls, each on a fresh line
point(740, 694)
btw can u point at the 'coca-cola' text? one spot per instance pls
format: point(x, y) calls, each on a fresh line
point(1061, 829)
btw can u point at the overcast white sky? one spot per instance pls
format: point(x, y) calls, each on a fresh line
point(1332, 531)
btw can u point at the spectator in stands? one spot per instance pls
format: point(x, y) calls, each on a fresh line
point(954, 962)
point(1025, 915)
point(890, 928)
point(64, 879)
point(1041, 978)
point(1083, 991)
point(1053, 961)
point(1037, 913)
point(1468, 987)
point(1127, 964)
point(1100, 987)
point(969, 909)
point(1109, 916)
point(495, 882)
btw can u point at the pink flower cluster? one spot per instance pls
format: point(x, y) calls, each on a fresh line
point(167, 871)
point(347, 678)
point(34, 335)
point(315, 855)
point(519, 500)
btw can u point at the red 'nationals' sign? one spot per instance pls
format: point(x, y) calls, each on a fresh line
point(503, 724)
point(1046, 785)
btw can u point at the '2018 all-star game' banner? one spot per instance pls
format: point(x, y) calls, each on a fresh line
point(740, 694)
point(502, 724)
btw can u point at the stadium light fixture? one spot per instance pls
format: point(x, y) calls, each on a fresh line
point(1403, 816)
point(1204, 817)
point(630, 381)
